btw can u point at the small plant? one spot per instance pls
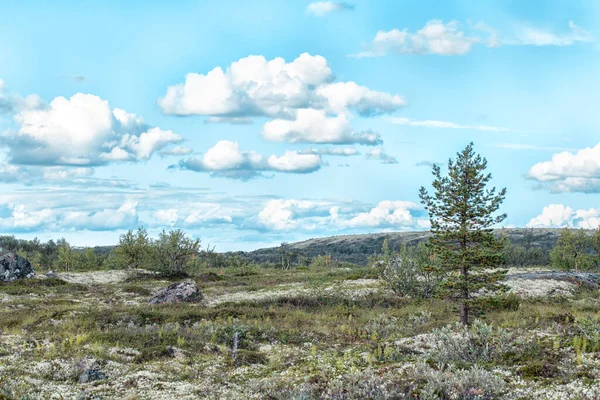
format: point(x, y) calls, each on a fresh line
point(382, 327)
point(464, 346)
point(466, 384)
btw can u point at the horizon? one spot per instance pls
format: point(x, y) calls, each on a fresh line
point(323, 120)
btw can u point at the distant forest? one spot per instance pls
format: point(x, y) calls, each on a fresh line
point(527, 247)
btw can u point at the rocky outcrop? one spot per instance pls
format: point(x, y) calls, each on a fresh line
point(177, 293)
point(13, 267)
point(587, 279)
point(551, 283)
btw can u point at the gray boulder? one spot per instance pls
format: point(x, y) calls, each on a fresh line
point(51, 274)
point(13, 267)
point(91, 375)
point(177, 293)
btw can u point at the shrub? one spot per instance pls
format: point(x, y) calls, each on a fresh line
point(522, 256)
point(133, 251)
point(410, 272)
point(465, 384)
point(173, 251)
point(589, 328)
point(369, 384)
point(467, 345)
point(575, 250)
point(382, 327)
point(502, 302)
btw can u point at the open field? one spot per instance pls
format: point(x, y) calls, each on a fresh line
point(303, 334)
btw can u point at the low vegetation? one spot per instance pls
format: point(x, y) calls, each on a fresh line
point(303, 333)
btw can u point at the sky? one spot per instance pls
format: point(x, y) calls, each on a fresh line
point(247, 124)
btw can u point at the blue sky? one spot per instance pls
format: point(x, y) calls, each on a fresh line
point(252, 123)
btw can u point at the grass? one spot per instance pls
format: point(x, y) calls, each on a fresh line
point(299, 331)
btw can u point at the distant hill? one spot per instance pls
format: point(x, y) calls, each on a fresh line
point(357, 248)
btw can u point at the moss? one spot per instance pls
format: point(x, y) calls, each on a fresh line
point(209, 277)
point(136, 289)
point(23, 287)
point(538, 369)
point(248, 357)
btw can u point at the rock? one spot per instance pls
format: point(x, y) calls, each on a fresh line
point(13, 267)
point(178, 292)
point(51, 274)
point(588, 279)
point(175, 352)
point(551, 283)
point(91, 375)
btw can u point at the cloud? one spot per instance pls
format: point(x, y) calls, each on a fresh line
point(436, 37)
point(570, 172)
point(560, 216)
point(322, 8)
point(22, 218)
point(249, 87)
point(93, 208)
point(231, 222)
point(229, 120)
point(287, 215)
point(446, 125)
point(387, 214)
point(280, 214)
point(168, 217)
point(209, 214)
point(447, 39)
point(314, 126)
point(302, 91)
point(11, 103)
point(29, 175)
point(529, 35)
point(379, 154)
point(82, 131)
point(426, 163)
point(176, 151)
point(329, 151)
point(342, 96)
point(226, 160)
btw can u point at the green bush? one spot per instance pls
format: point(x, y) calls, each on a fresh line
point(411, 271)
point(467, 345)
point(575, 250)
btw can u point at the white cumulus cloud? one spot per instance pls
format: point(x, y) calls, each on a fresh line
point(302, 91)
point(388, 213)
point(226, 159)
point(561, 216)
point(314, 126)
point(570, 172)
point(436, 37)
point(83, 131)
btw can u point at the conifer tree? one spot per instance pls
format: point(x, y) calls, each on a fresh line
point(461, 212)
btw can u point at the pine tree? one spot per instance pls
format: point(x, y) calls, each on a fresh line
point(461, 212)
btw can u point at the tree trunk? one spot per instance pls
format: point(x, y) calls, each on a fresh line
point(464, 313)
point(464, 307)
